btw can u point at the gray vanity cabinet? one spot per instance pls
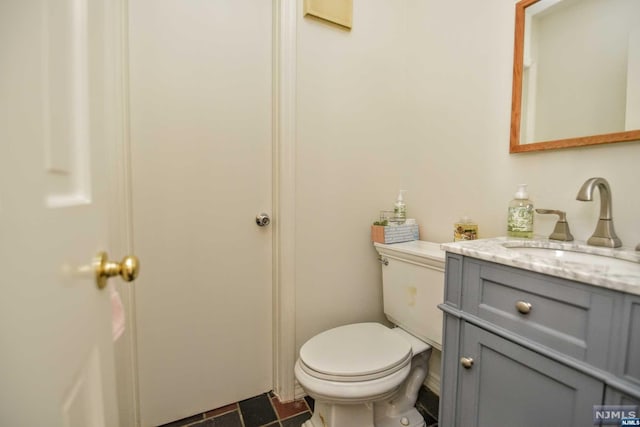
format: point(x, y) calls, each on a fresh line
point(628, 359)
point(617, 397)
point(526, 349)
point(628, 354)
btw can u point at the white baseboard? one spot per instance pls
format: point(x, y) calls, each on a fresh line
point(432, 382)
point(433, 377)
point(299, 392)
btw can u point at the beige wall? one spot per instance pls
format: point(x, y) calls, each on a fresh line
point(351, 130)
point(418, 96)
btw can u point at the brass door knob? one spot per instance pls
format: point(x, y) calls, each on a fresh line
point(466, 362)
point(128, 269)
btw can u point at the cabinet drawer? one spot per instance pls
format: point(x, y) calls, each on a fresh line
point(568, 317)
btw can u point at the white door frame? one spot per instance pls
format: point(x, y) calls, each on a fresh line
point(122, 242)
point(284, 191)
point(284, 142)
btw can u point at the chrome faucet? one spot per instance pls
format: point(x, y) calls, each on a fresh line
point(604, 235)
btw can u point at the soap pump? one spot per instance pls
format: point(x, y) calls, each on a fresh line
point(400, 209)
point(520, 216)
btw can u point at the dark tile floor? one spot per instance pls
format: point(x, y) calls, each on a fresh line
point(427, 404)
point(266, 410)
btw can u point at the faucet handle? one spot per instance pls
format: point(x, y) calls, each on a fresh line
point(562, 215)
point(561, 230)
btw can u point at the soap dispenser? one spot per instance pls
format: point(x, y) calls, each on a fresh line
point(400, 209)
point(520, 215)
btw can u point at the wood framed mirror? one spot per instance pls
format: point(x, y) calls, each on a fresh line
point(576, 74)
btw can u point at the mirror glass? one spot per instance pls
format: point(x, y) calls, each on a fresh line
point(576, 73)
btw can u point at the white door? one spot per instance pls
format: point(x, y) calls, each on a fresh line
point(200, 84)
point(57, 116)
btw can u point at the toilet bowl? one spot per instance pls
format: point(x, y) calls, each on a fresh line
point(367, 374)
point(356, 375)
point(354, 363)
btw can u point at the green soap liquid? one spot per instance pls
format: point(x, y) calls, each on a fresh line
point(520, 219)
point(520, 234)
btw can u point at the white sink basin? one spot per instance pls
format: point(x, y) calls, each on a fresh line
point(573, 256)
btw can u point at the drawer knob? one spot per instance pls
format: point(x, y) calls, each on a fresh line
point(523, 307)
point(466, 362)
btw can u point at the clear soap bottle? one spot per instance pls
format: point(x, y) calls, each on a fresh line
point(520, 215)
point(400, 209)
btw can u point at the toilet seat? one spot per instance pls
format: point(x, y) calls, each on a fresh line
point(355, 353)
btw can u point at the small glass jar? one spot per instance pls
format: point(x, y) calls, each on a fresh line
point(465, 229)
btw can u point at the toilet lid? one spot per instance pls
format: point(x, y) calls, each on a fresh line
point(361, 351)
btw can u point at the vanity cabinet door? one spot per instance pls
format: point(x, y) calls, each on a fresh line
point(629, 348)
point(508, 385)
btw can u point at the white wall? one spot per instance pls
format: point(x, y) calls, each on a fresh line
point(351, 129)
point(418, 96)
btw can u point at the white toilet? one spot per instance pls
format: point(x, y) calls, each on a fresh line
point(366, 374)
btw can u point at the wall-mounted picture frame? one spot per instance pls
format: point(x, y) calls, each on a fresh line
point(337, 11)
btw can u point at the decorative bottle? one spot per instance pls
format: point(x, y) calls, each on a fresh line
point(465, 229)
point(400, 209)
point(520, 216)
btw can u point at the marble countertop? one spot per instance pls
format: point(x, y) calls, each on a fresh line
point(605, 272)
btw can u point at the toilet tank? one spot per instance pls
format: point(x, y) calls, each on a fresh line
point(413, 286)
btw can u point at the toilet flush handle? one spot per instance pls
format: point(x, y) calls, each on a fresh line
point(383, 260)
